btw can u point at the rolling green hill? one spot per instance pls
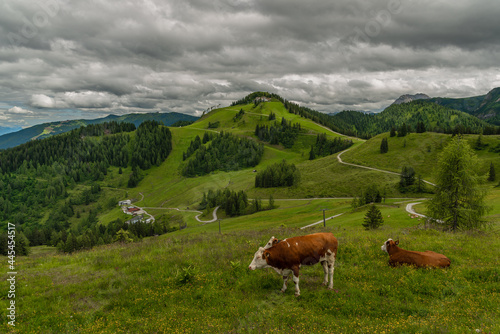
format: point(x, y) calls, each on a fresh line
point(418, 150)
point(45, 130)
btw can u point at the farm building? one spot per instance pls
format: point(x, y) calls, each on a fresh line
point(125, 202)
point(262, 99)
point(133, 209)
point(134, 220)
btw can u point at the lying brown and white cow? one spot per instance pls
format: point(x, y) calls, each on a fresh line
point(398, 256)
point(288, 255)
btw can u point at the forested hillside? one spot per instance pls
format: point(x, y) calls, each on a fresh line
point(485, 107)
point(432, 116)
point(42, 181)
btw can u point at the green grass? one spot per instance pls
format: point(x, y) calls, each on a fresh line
point(196, 281)
point(420, 151)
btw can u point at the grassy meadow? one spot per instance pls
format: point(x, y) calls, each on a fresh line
point(197, 281)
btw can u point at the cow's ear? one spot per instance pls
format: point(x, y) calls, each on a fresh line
point(396, 242)
point(275, 241)
point(264, 255)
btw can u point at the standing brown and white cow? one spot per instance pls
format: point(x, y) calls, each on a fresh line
point(288, 255)
point(398, 256)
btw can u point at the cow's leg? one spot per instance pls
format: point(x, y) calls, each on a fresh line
point(285, 275)
point(296, 280)
point(331, 268)
point(325, 269)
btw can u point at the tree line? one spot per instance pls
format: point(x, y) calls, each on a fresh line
point(234, 203)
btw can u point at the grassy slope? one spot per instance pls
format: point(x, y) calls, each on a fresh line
point(138, 287)
point(420, 151)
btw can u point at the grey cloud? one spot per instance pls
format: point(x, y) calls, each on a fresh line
point(107, 57)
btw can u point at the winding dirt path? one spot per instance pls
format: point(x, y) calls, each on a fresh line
point(197, 216)
point(371, 168)
point(409, 209)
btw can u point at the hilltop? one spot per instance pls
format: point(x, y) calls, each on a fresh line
point(409, 98)
point(46, 130)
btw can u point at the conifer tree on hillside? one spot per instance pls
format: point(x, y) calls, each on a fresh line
point(312, 155)
point(459, 198)
point(373, 218)
point(22, 244)
point(384, 146)
point(491, 174)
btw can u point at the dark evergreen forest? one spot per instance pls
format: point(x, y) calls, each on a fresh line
point(224, 152)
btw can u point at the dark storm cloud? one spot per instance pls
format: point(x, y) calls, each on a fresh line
point(154, 55)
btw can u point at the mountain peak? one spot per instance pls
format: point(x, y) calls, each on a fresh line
point(408, 98)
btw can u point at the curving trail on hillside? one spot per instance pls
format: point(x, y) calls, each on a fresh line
point(410, 210)
point(371, 168)
point(197, 216)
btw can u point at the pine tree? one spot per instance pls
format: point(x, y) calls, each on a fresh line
point(71, 244)
point(384, 146)
point(271, 202)
point(22, 244)
point(402, 131)
point(312, 155)
point(459, 197)
point(491, 174)
point(393, 132)
point(373, 218)
point(407, 177)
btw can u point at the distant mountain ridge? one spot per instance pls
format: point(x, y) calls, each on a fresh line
point(485, 107)
point(409, 98)
point(6, 129)
point(45, 130)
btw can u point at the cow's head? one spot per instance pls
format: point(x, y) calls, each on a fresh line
point(273, 241)
point(259, 259)
point(388, 244)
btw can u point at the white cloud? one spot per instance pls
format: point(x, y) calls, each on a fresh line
point(19, 110)
point(42, 101)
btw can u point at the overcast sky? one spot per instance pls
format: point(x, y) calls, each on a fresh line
point(63, 59)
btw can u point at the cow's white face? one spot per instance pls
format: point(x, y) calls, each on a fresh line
point(258, 260)
point(385, 245)
point(389, 242)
